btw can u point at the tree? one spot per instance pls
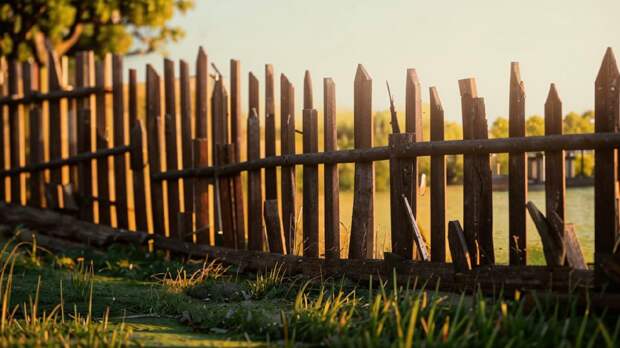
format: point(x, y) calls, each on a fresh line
point(117, 26)
point(499, 128)
point(535, 125)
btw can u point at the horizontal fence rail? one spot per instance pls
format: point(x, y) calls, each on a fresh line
point(164, 158)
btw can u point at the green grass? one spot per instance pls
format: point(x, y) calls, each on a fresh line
point(131, 297)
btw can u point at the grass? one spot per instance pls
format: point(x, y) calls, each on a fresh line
point(129, 297)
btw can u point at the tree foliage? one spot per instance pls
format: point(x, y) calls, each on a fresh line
point(117, 26)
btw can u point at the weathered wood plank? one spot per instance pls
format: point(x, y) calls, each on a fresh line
point(16, 133)
point(219, 136)
point(202, 96)
point(120, 120)
point(287, 143)
point(235, 107)
point(413, 124)
point(3, 145)
point(483, 204)
point(83, 70)
point(458, 247)
point(331, 180)
point(552, 241)
point(468, 92)
point(438, 182)
point(554, 164)
point(201, 195)
point(54, 84)
point(401, 185)
point(154, 124)
point(574, 255)
point(255, 192)
point(225, 156)
point(172, 154)
point(275, 234)
point(361, 244)
point(30, 73)
point(138, 162)
point(236, 140)
point(417, 235)
point(606, 113)
point(271, 178)
point(517, 178)
point(310, 217)
point(102, 73)
point(186, 146)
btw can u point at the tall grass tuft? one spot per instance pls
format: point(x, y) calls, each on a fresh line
point(182, 279)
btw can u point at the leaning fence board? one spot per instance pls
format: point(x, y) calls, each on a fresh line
point(275, 234)
point(362, 224)
point(172, 157)
point(138, 163)
point(553, 245)
point(102, 71)
point(606, 103)
point(438, 182)
point(458, 247)
point(287, 143)
point(155, 129)
point(271, 179)
point(120, 166)
point(186, 147)
point(517, 179)
point(201, 195)
point(331, 182)
point(255, 195)
point(401, 184)
point(417, 235)
point(84, 138)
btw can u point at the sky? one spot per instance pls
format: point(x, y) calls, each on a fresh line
point(560, 41)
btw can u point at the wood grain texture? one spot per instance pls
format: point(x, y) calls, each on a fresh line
point(310, 217)
point(102, 73)
point(606, 113)
point(287, 143)
point(361, 244)
point(331, 180)
point(275, 234)
point(255, 192)
point(401, 171)
point(120, 120)
point(201, 196)
point(154, 126)
point(271, 178)
point(438, 182)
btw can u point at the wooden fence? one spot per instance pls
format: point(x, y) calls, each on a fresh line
point(75, 140)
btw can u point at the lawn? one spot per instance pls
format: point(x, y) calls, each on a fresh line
point(129, 297)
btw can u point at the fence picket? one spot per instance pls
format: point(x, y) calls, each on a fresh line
point(186, 147)
point(438, 182)
point(102, 71)
point(120, 166)
point(271, 178)
point(310, 217)
point(201, 195)
point(517, 168)
point(138, 137)
point(362, 225)
point(84, 140)
point(31, 82)
point(555, 182)
point(287, 144)
point(331, 188)
point(154, 125)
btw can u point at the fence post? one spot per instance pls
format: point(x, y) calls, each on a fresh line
point(310, 215)
point(275, 235)
point(154, 128)
point(517, 178)
point(606, 101)
point(201, 195)
point(31, 78)
point(219, 136)
point(225, 156)
point(186, 146)
point(138, 137)
point(401, 182)
point(172, 159)
point(438, 182)
point(236, 139)
point(362, 224)
point(255, 194)
point(331, 182)
point(102, 70)
point(287, 143)
point(120, 167)
point(413, 124)
point(271, 178)
point(3, 92)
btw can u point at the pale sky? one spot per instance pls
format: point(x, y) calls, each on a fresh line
point(559, 41)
